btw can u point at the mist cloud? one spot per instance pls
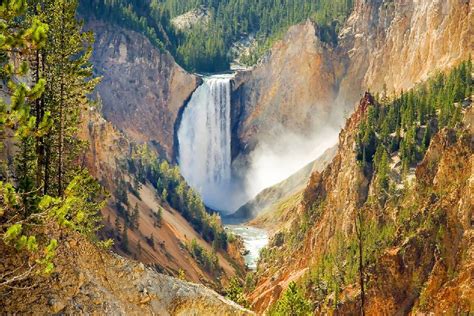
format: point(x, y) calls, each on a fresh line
point(275, 160)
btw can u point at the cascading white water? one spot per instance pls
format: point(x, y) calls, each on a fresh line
point(204, 139)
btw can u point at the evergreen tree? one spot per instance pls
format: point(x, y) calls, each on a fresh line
point(27, 211)
point(158, 217)
point(151, 241)
point(292, 303)
point(234, 292)
point(383, 169)
point(135, 217)
point(124, 241)
point(67, 67)
point(118, 227)
point(139, 248)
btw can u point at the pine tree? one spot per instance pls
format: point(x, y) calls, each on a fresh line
point(382, 171)
point(426, 138)
point(139, 248)
point(124, 241)
point(27, 212)
point(151, 241)
point(135, 217)
point(20, 42)
point(158, 217)
point(117, 225)
point(68, 69)
point(292, 303)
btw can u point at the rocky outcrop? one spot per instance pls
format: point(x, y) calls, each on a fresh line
point(142, 89)
point(199, 16)
point(400, 43)
point(89, 280)
point(290, 90)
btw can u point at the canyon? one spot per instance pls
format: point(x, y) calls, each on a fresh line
point(274, 151)
point(303, 86)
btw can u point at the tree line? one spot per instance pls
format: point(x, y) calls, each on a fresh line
point(206, 47)
point(405, 124)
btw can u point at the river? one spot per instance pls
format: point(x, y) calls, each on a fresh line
point(254, 240)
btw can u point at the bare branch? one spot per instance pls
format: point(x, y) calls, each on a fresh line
point(23, 276)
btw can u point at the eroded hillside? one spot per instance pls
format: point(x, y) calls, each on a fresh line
point(415, 239)
point(143, 90)
point(159, 235)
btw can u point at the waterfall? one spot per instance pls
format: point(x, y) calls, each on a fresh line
point(204, 141)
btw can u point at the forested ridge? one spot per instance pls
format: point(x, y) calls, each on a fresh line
point(207, 47)
point(393, 128)
point(171, 188)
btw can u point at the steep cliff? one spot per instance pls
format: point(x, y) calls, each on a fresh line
point(291, 89)
point(418, 244)
point(400, 43)
point(304, 83)
point(106, 160)
point(143, 89)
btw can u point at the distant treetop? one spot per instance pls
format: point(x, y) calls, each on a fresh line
point(206, 47)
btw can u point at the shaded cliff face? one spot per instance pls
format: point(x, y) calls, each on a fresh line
point(142, 89)
point(94, 281)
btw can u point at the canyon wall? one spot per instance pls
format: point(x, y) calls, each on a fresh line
point(303, 83)
point(142, 89)
point(291, 89)
point(402, 42)
point(427, 269)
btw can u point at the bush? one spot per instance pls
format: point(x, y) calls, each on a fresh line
point(234, 292)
